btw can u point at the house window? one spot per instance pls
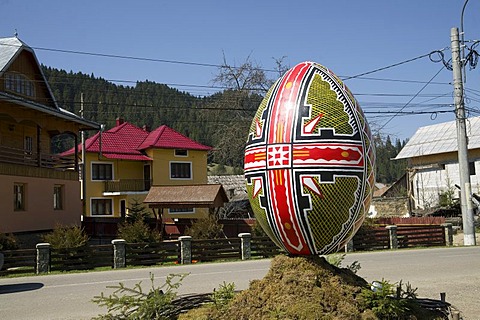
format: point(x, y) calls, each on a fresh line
point(28, 144)
point(19, 83)
point(180, 170)
point(102, 171)
point(101, 207)
point(181, 210)
point(19, 190)
point(181, 153)
point(58, 197)
point(471, 168)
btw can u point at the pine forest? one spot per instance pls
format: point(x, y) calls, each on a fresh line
point(220, 120)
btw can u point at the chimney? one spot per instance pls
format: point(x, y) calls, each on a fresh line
point(146, 128)
point(119, 121)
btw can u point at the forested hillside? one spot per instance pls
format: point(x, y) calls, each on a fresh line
point(220, 120)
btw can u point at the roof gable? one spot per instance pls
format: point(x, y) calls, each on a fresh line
point(119, 142)
point(127, 141)
point(10, 50)
point(166, 138)
point(440, 138)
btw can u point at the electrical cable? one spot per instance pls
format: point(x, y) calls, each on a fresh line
point(392, 65)
point(107, 55)
point(383, 126)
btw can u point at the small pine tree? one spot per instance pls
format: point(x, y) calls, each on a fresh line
point(135, 303)
point(137, 211)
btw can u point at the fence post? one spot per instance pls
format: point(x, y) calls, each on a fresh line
point(349, 246)
point(119, 253)
point(185, 249)
point(392, 233)
point(245, 245)
point(448, 233)
point(43, 257)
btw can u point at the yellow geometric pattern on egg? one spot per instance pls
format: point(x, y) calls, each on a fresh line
point(325, 103)
point(260, 214)
point(328, 216)
point(257, 119)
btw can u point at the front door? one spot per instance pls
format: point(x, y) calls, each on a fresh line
point(146, 177)
point(123, 208)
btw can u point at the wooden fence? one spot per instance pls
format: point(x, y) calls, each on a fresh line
point(82, 258)
point(136, 254)
point(144, 254)
point(19, 261)
point(421, 236)
point(408, 236)
point(371, 239)
point(217, 249)
point(263, 247)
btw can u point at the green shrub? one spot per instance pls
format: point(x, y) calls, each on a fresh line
point(8, 242)
point(219, 303)
point(134, 303)
point(65, 237)
point(205, 228)
point(138, 231)
point(384, 300)
point(223, 295)
point(336, 260)
point(257, 230)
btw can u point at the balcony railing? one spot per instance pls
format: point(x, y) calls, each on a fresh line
point(43, 160)
point(127, 185)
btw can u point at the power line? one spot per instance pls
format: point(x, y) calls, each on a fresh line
point(390, 66)
point(116, 56)
point(383, 126)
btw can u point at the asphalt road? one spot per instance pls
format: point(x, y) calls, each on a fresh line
point(455, 271)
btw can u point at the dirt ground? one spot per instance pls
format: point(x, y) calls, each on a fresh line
point(458, 238)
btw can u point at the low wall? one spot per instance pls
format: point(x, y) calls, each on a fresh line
point(390, 207)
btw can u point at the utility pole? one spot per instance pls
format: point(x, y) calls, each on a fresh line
point(84, 185)
point(466, 189)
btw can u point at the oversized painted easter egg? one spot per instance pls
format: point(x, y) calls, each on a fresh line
point(309, 162)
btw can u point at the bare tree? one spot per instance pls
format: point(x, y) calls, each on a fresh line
point(247, 84)
point(249, 76)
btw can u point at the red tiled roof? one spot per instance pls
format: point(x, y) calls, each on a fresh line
point(127, 141)
point(126, 156)
point(165, 137)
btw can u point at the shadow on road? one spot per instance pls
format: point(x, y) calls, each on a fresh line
point(19, 287)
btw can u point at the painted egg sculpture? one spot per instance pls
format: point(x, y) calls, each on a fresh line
point(309, 162)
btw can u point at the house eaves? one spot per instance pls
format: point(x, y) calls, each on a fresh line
point(184, 196)
point(439, 139)
point(60, 113)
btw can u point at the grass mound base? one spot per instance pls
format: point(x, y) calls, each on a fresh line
point(299, 288)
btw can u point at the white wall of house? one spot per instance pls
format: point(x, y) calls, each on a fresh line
point(429, 183)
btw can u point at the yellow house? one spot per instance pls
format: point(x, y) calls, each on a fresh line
point(123, 162)
point(38, 188)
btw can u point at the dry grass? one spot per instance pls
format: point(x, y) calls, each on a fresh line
point(298, 288)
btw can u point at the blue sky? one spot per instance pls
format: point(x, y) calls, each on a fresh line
point(349, 37)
